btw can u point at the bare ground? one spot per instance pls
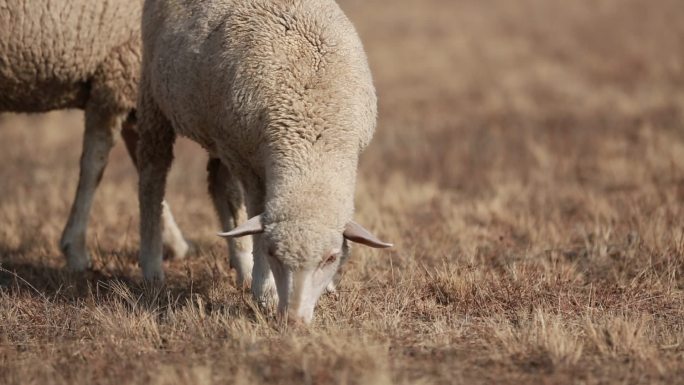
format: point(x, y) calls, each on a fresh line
point(529, 166)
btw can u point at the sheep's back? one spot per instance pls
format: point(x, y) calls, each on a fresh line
point(50, 50)
point(235, 75)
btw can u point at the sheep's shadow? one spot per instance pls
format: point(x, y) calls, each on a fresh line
point(55, 283)
point(25, 266)
point(44, 280)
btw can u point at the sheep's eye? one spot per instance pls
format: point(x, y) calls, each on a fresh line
point(272, 251)
point(332, 258)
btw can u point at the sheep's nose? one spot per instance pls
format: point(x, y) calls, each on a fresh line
point(295, 319)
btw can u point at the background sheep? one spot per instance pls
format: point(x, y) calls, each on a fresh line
point(281, 93)
point(528, 161)
point(59, 54)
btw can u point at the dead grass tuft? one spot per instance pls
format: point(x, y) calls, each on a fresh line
point(529, 166)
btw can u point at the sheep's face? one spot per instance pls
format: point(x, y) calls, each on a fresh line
point(304, 259)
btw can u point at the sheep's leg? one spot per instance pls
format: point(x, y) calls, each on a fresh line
point(155, 154)
point(263, 284)
point(227, 195)
point(97, 142)
point(171, 234)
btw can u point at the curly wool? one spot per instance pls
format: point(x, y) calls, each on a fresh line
point(62, 54)
point(86, 54)
point(279, 90)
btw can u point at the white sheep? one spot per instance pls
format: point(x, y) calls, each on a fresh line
point(57, 54)
point(280, 91)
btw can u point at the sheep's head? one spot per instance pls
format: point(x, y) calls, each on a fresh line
point(304, 258)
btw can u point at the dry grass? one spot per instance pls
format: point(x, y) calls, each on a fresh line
point(529, 166)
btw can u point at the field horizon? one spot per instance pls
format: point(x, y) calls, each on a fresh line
point(528, 165)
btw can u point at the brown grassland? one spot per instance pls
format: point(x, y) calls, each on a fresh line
point(528, 165)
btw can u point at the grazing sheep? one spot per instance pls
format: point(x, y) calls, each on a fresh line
point(57, 54)
point(280, 92)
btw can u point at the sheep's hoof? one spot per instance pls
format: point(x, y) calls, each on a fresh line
point(243, 283)
point(78, 259)
point(265, 295)
point(178, 249)
point(153, 274)
point(243, 264)
point(79, 265)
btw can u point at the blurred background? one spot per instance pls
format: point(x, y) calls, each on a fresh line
point(502, 124)
point(535, 146)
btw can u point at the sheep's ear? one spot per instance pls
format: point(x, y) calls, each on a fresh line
point(356, 233)
point(252, 226)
